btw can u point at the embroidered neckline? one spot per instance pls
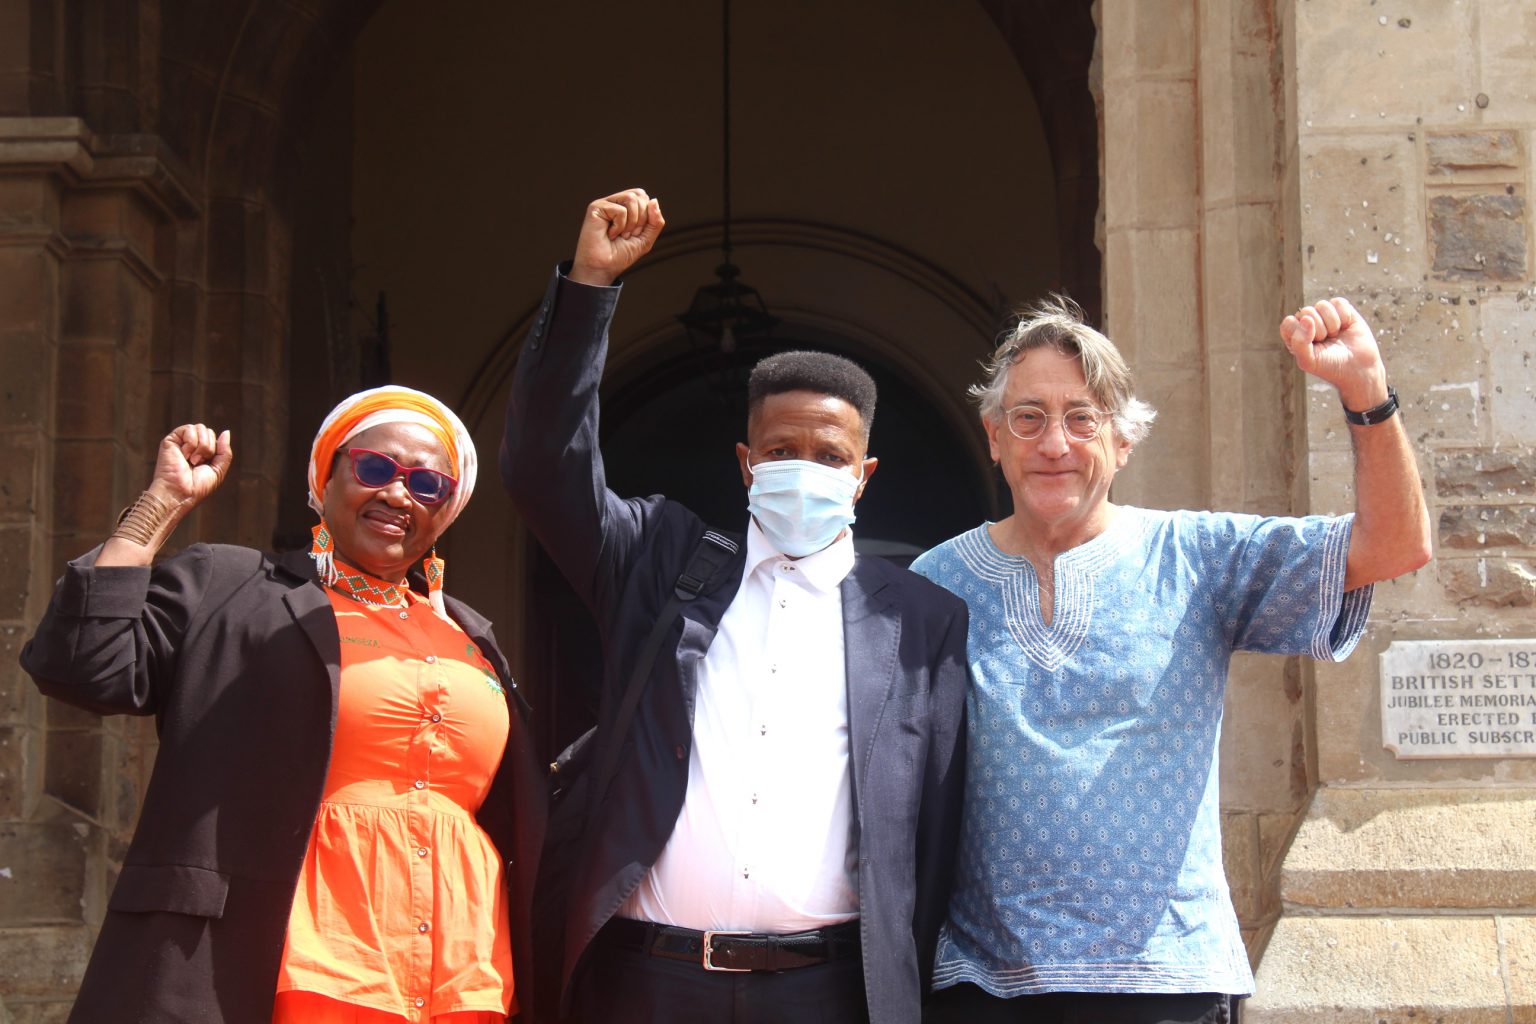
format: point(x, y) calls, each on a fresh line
point(1049, 646)
point(368, 590)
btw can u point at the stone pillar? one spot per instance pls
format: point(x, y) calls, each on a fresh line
point(1193, 293)
point(82, 243)
point(1408, 890)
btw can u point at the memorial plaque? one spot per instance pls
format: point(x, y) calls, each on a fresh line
point(1459, 698)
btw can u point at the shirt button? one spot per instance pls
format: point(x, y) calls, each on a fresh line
point(773, 669)
point(431, 659)
point(437, 718)
point(421, 851)
point(678, 750)
point(405, 615)
point(420, 1001)
point(419, 784)
point(423, 927)
point(783, 602)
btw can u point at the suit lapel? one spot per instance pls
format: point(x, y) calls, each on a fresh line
point(311, 609)
point(871, 638)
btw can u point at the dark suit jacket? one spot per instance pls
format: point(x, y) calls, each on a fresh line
point(905, 661)
point(238, 658)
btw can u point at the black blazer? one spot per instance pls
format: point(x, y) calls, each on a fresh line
point(905, 660)
point(238, 657)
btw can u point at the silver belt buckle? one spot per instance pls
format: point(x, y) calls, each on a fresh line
point(709, 953)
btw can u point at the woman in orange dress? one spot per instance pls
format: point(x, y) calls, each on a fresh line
point(344, 816)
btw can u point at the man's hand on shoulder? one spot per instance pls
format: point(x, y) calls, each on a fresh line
point(616, 231)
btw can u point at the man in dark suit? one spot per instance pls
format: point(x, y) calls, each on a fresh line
point(778, 840)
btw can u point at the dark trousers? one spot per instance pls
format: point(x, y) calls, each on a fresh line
point(970, 1004)
point(627, 986)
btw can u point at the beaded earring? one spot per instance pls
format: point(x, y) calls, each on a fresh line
point(323, 551)
point(434, 568)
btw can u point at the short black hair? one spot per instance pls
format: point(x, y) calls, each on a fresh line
point(819, 372)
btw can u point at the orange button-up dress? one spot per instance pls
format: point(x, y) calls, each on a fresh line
point(401, 910)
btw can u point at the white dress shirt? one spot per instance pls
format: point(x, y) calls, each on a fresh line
point(765, 840)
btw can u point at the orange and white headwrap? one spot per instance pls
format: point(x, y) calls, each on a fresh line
point(393, 404)
point(373, 408)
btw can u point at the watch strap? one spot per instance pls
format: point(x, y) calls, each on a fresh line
point(1377, 414)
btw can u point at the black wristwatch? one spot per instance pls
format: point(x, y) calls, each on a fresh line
point(1378, 414)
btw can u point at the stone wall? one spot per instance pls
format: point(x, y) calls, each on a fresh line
point(147, 167)
point(1407, 891)
point(1258, 155)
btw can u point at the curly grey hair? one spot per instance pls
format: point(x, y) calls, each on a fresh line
point(1058, 322)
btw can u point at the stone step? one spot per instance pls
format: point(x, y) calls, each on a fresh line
point(1410, 849)
point(1397, 970)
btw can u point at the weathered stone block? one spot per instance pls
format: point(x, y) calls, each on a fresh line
point(1237, 92)
point(47, 861)
point(88, 396)
point(28, 202)
point(74, 770)
point(1509, 332)
point(49, 1011)
point(1473, 156)
point(1360, 216)
point(15, 566)
point(1507, 45)
point(27, 302)
point(1519, 956)
point(1240, 857)
point(1432, 348)
point(1403, 848)
point(1258, 736)
point(20, 774)
point(98, 298)
point(83, 498)
point(1148, 37)
point(19, 699)
point(1472, 527)
point(1380, 970)
point(42, 963)
point(1150, 154)
point(26, 370)
point(18, 478)
point(1488, 473)
point(1359, 65)
point(1490, 582)
point(1478, 237)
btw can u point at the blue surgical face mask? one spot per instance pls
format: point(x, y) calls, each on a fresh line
point(801, 506)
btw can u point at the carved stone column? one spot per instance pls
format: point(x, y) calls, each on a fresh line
point(84, 225)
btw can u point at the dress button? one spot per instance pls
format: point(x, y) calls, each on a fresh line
point(423, 927)
point(419, 784)
point(437, 718)
point(421, 851)
point(405, 615)
point(431, 659)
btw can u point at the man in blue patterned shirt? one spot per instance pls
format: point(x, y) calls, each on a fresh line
point(1090, 883)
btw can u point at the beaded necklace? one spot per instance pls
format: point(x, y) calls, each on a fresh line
point(368, 590)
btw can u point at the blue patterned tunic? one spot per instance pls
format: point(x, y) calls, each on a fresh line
point(1090, 855)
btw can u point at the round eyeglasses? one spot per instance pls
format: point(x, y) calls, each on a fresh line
point(1028, 422)
point(375, 469)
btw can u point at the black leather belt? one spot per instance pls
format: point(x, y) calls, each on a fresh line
point(736, 951)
